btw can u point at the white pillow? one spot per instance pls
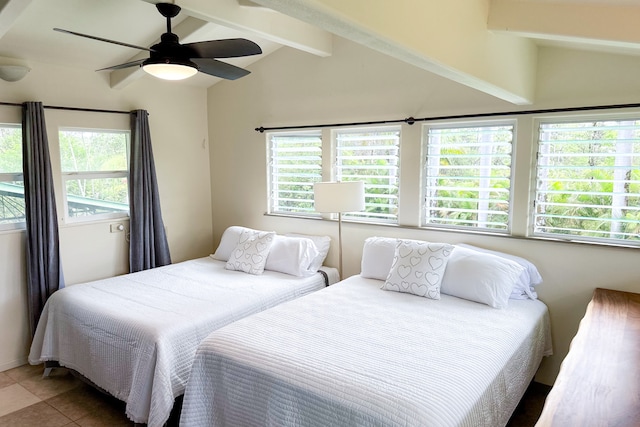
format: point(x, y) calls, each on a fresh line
point(418, 268)
point(323, 243)
point(228, 242)
point(251, 252)
point(377, 257)
point(480, 277)
point(292, 255)
point(529, 278)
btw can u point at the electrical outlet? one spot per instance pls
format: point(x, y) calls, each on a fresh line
point(117, 227)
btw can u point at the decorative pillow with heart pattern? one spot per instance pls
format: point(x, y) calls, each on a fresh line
point(250, 254)
point(418, 268)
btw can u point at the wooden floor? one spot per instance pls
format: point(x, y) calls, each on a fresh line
point(530, 407)
point(27, 399)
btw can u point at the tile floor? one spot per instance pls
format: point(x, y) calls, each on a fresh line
point(27, 399)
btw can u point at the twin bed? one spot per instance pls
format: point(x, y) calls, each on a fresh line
point(351, 354)
point(135, 336)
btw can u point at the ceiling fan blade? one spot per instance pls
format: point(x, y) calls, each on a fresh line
point(125, 65)
point(225, 48)
point(102, 40)
point(220, 69)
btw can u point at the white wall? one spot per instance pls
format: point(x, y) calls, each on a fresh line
point(178, 123)
point(357, 84)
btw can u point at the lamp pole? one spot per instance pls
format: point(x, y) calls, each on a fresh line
point(340, 244)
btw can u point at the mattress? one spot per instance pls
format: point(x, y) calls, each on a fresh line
point(355, 355)
point(135, 335)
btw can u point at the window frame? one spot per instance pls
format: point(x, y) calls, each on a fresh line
point(336, 171)
point(611, 115)
point(111, 174)
point(271, 209)
point(460, 124)
point(522, 178)
point(11, 177)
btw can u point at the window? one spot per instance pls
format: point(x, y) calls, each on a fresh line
point(295, 163)
point(94, 173)
point(372, 156)
point(588, 181)
point(12, 210)
point(468, 176)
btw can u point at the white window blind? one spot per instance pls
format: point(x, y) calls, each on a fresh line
point(468, 176)
point(12, 209)
point(372, 156)
point(588, 181)
point(295, 163)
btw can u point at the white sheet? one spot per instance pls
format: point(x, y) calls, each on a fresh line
point(135, 335)
point(355, 355)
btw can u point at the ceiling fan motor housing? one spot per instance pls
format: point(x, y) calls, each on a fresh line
point(169, 51)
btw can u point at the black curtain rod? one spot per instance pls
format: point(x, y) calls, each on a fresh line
point(412, 120)
point(54, 107)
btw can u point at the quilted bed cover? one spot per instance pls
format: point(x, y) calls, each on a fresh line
point(135, 336)
point(355, 355)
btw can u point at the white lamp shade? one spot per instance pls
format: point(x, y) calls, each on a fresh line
point(333, 197)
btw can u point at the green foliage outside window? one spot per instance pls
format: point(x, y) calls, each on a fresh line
point(468, 176)
point(296, 164)
point(94, 165)
point(12, 209)
point(372, 157)
point(93, 151)
point(10, 149)
point(589, 180)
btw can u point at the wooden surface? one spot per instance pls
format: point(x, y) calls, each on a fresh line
point(599, 380)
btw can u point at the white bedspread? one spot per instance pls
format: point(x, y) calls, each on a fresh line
point(135, 335)
point(355, 355)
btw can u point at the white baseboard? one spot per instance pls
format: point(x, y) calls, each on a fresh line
point(13, 364)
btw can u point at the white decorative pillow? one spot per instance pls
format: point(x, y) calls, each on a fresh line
point(228, 242)
point(377, 257)
point(323, 243)
point(529, 278)
point(292, 255)
point(251, 252)
point(418, 268)
point(480, 277)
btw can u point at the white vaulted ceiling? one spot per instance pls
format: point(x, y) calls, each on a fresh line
point(26, 33)
point(490, 45)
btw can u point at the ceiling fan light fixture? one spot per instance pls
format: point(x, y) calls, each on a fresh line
point(174, 70)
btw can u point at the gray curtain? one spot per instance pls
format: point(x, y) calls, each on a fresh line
point(44, 268)
point(148, 247)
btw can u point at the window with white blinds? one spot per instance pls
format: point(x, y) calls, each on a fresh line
point(468, 176)
point(371, 155)
point(295, 163)
point(588, 181)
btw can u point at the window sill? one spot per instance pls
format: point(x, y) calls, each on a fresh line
point(503, 235)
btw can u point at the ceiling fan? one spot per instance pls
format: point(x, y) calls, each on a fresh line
point(171, 60)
